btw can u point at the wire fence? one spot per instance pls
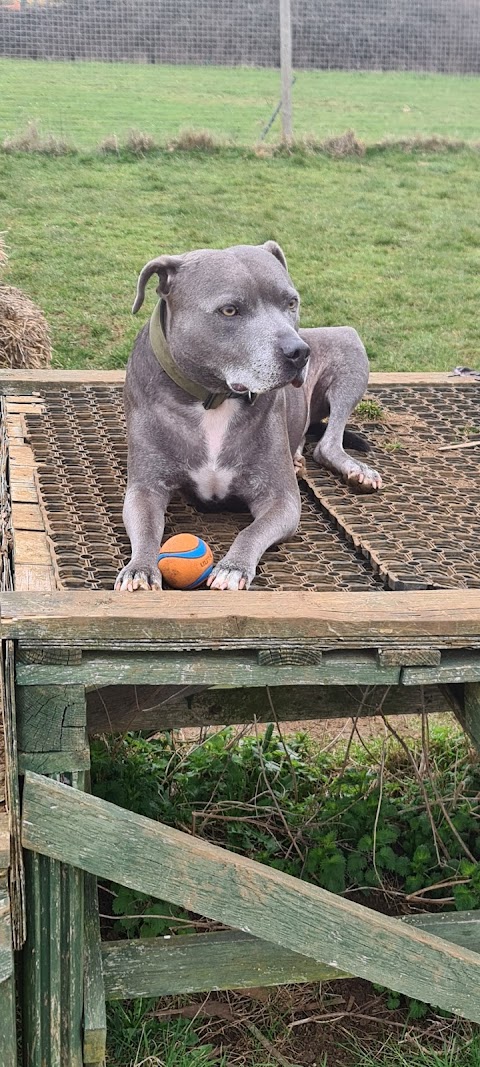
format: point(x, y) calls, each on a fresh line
point(414, 35)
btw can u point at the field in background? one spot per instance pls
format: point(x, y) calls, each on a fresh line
point(88, 101)
point(389, 243)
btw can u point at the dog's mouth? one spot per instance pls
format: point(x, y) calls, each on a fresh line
point(300, 376)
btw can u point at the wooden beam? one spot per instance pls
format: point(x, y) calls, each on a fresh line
point(8, 715)
point(6, 951)
point(94, 1014)
point(53, 961)
point(24, 382)
point(21, 383)
point(454, 668)
point(91, 618)
point(206, 668)
point(166, 966)
point(4, 842)
point(460, 927)
point(120, 708)
point(8, 1024)
point(155, 859)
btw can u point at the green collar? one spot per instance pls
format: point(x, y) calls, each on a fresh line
point(166, 361)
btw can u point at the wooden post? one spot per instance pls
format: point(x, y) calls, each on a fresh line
point(472, 712)
point(286, 69)
point(8, 1029)
point(52, 733)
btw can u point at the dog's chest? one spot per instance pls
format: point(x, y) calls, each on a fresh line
point(213, 478)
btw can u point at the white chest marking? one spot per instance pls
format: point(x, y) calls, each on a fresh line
point(213, 479)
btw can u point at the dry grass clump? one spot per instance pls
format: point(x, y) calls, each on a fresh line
point(339, 147)
point(32, 140)
point(345, 144)
point(139, 142)
point(24, 335)
point(110, 145)
point(191, 140)
point(420, 143)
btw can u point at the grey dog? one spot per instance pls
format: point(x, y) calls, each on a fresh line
point(212, 410)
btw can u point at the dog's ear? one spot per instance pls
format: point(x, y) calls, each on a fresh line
point(166, 267)
point(271, 246)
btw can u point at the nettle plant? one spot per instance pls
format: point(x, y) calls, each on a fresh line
point(385, 825)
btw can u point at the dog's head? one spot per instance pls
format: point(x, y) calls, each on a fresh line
point(231, 317)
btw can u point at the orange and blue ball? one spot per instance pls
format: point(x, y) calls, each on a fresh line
point(185, 561)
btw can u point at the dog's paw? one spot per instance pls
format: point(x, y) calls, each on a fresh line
point(230, 575)
point(365, 479)
point(137, 576)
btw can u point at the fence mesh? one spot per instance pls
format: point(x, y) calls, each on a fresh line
point(417, 35)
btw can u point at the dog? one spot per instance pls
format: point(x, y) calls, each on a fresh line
point(220, 390)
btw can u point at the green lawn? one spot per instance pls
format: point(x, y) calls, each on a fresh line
point(389, 243)
point(87, 101)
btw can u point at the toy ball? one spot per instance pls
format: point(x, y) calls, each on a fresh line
point(185, 561)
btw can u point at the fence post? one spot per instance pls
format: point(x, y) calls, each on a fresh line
point(286, 69)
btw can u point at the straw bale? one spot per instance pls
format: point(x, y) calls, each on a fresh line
point(24, 334)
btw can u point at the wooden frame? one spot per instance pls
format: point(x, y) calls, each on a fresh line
point(96, 661)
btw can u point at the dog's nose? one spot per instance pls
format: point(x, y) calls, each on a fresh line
point(296, 351)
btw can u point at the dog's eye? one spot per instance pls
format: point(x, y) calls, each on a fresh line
point(229, 311)
point(293, 304)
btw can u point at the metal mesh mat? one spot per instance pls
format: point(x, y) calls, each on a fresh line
point(421, 531)
point(80, 449)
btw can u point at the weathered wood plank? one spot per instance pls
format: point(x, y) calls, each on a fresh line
point(52, 960)
point(4, 842)
point(157, 967)
point(21, 383)
point(54, 762)
point(8, 1030)
point(29, 546)
point(13, 383)
point(27, 517)
point(409, 657)
point(6, 951)
point(455, 667)
point(9, 717)
point(127, 848)
point(72, 964)
point(207, 668)
point(35, 579)
point(471, 712)
point(51, 718)
point(119, 708)
point(460, 927)
point(94, 1014)
point(91, 617)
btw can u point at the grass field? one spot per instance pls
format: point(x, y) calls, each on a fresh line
point(388, 243)
point(87, 101)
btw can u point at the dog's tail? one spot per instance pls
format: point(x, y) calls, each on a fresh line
point(353, 440)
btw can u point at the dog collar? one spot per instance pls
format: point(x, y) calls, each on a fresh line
point(162, 352)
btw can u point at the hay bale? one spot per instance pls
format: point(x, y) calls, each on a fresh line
point(24, 336)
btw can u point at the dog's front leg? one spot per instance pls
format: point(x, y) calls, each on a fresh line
point(276, 519)
point(144, 518)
